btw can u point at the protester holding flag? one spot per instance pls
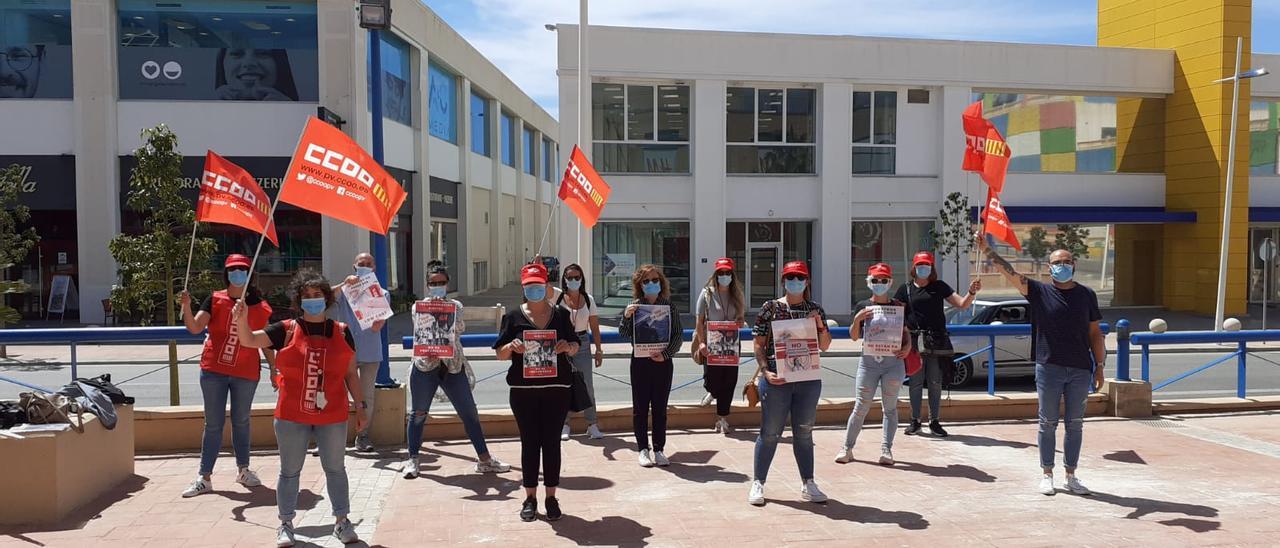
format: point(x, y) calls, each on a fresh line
point(651, 372)
point(317, 363)
point(573, 296)
point(540, 389)
point(779, 399)
point(721, 300)
point(228, 370)
point(368, 341)
point(925, 294)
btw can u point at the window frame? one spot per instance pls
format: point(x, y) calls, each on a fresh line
point(488, 132)
point(507, 125)
point(871, 131)
point(436, 68)
point(527, 141)
point(626, 124)
point(755, 127)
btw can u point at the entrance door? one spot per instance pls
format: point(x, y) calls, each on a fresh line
point(764, 264)
point(1264, 272)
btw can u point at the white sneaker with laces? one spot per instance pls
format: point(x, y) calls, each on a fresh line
point(284, 535)
point(492, 466)
point(844, 456)
point(809, 492)
point(345, 532)
point(564, 433)
point(722, 426)
point(1074, 485)
point(707, 399)
point(886, 456)
point(198, 487)
point(1046, 485)
point(646, 459)
point(410, 468)
point(594, 432)
point(660, 459)
point(756, 496)
point(248, 478)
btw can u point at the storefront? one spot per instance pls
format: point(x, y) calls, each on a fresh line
point(46, 184)
point(760, 248)
point(1264, 276)
point(620, 247)
point(444, 227)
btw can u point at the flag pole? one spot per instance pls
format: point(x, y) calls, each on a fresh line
point(190, 252)
point(547, 231)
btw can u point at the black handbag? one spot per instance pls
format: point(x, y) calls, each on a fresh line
point(579, 396)
point(936, 344)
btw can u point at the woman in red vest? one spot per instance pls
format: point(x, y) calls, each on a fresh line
point(317, 363)
point(228, 368)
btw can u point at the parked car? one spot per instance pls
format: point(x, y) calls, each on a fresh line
point(1014, 355)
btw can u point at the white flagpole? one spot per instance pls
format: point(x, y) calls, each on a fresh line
point(194, 225)
point(583, 98)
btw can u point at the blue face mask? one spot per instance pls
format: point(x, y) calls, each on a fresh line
point(724, 280)
point(437, 292)
point(1062, 273)
point(652, 289)
point(878, 289)
point(795, 287)
point(923, 271)
point(573, 285)
point(535, 293)
point(238, 278)
point(362, 270)
point(314, 307)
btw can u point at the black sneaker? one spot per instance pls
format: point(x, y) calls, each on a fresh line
point(553, 509)
point(914, 428)
point(529, 511)
point(937, 430)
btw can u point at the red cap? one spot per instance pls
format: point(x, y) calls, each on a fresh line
point(236, 260)
point(880, 270)
point(533, 273)
point(796, 267)
point(724, 263)
point(923, 257)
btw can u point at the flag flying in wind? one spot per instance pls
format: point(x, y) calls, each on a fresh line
point(330, 174)
point(229, 195)
point(583, 190)
point(996, 221)
point(985, 151)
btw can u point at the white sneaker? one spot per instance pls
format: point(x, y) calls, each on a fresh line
point(646, 459)
point(1046, 485)
point(660, 459)
point(198, 487)
point(594, 432)
point(886, 456)
point(809, 492)
point(722, 426)
point(284, 535)
point(564, 433)
point(248, 478)
point(345, 532)
point(707, 399)
point(756, 496)
point(492, 466)
point(844, 456)
point(410, 468)
point(1074, 485)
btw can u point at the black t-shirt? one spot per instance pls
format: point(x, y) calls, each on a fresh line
point(279, 335)
point(514, 324)
point(925, 305)
point(1060, 319)
point(206, 306)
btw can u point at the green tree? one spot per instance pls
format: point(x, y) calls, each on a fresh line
point(15, 241)
point(953, 232)
point(152, 263)
point(1036, 245)
point(1072, 238)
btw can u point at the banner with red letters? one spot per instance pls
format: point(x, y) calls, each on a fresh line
point(996, 221)
point(330, 174)
point(229, 195)
point(583, 190)
point(985, 150)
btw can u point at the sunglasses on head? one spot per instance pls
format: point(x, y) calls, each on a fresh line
point(881, 280)
point(795, 278)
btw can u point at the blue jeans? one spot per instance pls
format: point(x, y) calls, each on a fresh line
point(331, 441)
point(216, 387)
point(932, 373)
point(886, 375)
point(798, 400)
point(1054, 383)
point(422, 389)
point(585, 362)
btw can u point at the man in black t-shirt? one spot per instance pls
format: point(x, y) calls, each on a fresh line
point(1071, 354)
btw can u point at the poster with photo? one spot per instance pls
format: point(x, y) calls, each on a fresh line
point(368, 301)
point(882, 332)
point(540, 354)
point(651, 330)
point(723, 343)
point(795, 348)
point(433, 333)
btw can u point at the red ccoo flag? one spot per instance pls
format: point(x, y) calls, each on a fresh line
point(986, 151)
point(583, 190)
point(330, 174)
point(996, 221)
point(229, 195)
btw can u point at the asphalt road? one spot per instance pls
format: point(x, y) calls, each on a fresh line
point(611, 379)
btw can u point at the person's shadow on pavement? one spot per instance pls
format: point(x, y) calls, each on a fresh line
point(695, 466)
point(1145, 507)
point(962, 471)
point(606, 531)
point(263, 496)
point(325, 532)
point(609, 445)
point(839, 511)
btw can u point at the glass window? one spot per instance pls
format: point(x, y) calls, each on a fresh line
point(875, 132)
point(529, 153)
point(862, 116)
point(547, 160)
point(480, 138)
point(442, 96)
point(769, 159)
point(35, 49)
point(769, 115)
point(740, 120)
point(776, 129)
point(801, 105)
point(508, 141)
point(397, 96)
point(620, 246)
point(890, 242)
point(1055, 133)
point(656, 133)
point(1264, 125)
point(232, 50)
point(869, 160)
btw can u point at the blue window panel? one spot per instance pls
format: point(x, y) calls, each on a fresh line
point(508, 157)
point(442, 107)
point(1101, 160)
point(1002, 124)
point(1024, 163)
point(480, 141)
point(397, 94)
point(528, 152)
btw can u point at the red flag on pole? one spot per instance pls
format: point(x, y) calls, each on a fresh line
point(229, 195)
point(986, 151)
point(330, 174)
point(996, 221)
point(583, 190)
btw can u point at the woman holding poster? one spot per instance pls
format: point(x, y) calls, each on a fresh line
point(721, 312)
point(652, 324)
point(438, 363)
point(538, 338)
point(888, 342)
point(780, 395)
point(586, 322)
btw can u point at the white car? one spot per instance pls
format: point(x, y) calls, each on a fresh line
point(1014, 355)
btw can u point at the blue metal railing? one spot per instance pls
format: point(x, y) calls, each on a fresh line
point(1241, 338)
point(993, 331)
point(96, 335)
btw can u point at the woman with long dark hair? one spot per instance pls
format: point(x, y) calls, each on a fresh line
point(246, 73)
point(651, 372)
point(575, 298)
point(721, 300)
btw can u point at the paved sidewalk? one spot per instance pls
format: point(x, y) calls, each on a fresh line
point(1175, 481)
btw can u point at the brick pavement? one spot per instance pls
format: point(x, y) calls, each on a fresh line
point(1176, 481)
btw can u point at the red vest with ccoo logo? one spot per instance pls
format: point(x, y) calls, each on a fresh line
point(223, 352)
point(313, 374)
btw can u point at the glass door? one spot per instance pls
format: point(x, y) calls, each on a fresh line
point(763, 268)
point(1264, 254)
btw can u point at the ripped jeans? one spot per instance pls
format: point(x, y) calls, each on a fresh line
point(798, 400)
point(422, 390)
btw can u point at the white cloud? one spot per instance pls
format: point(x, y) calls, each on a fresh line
point(511, 34)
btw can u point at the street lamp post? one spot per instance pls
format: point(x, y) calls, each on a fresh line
point(1236, 76)
point(375, 16)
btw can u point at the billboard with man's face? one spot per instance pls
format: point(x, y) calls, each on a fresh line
point(35, 49)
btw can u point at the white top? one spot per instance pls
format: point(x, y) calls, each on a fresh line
point(582, 316)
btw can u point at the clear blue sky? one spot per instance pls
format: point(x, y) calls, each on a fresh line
point(511, 34)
